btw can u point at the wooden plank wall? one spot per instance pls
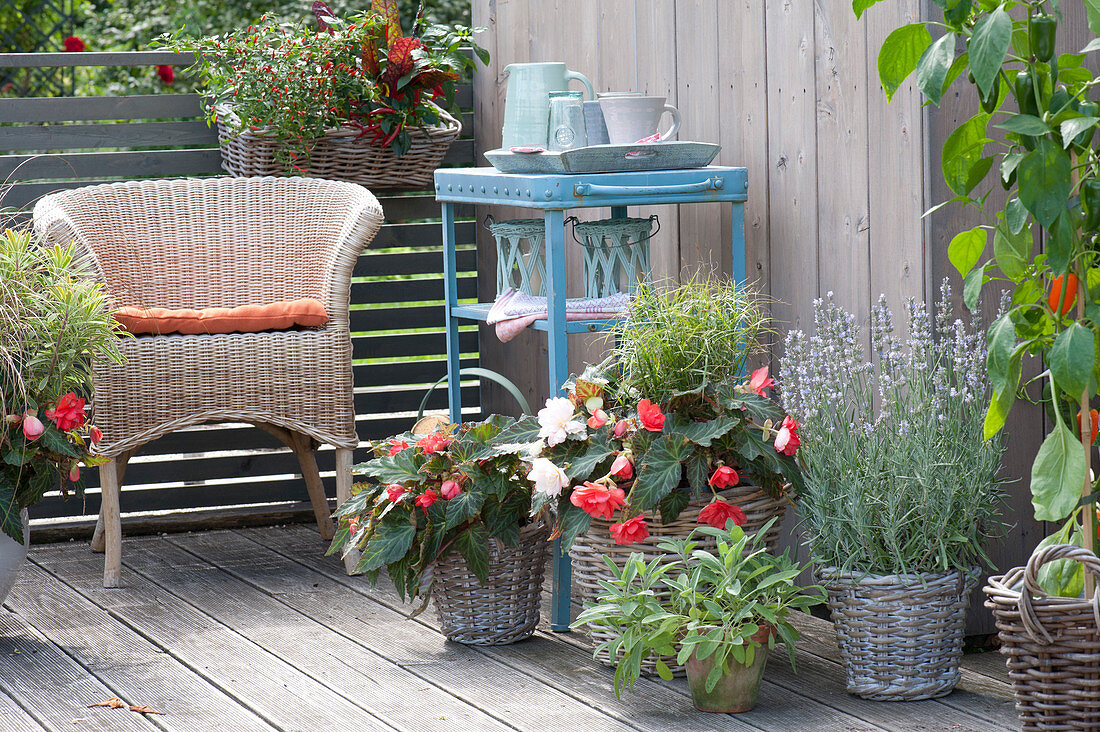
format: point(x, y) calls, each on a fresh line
point(397, 290)
point(838, 179)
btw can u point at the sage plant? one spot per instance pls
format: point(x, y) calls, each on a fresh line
point(898, 477)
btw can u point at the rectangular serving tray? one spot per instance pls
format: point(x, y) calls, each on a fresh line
point(671, 155)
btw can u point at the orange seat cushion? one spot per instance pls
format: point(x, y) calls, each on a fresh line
point(306, 313)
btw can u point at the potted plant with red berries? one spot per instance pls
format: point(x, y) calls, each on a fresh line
point(52, 323)
point(629, 458)
point(341, 98)
point(448, 515)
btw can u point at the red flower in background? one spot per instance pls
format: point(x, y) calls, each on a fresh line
point(426, 499)
point(630, 531)
point(650, 415)
point(597, 500)
point(435, 442)
point(397, 446)
point(723, 477)
point(69, 412)
point(72, 43)
point(394, 491)
point(95, 435)
point(717, 512)
point(166, 73)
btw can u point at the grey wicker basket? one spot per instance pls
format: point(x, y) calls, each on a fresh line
point(506, 608)
point(590, 548)
point(1051, 644)
point(344, 153)
point(900, 636)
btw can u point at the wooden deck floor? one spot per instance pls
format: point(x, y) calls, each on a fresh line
point(255, 630)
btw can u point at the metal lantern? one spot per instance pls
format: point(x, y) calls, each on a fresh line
point(616, 253)
point(521, 256)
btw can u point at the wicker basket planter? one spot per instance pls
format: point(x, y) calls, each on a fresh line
point(590, 548)
point(344, 153)
point(1051, 644)
point(900, 636)
point(504, 610)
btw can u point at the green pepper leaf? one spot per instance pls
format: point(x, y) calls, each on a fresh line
point(1057, 475)
point(1045, 182)
point(988, 46)
point(966, 249)
point(1001, 339)
point(1024, 124)
point(1071, 359)
point(962, 151)
point(972, 287)
point(933, 66)
point(1071, 128)
point(1013, 252)
point(899, 55)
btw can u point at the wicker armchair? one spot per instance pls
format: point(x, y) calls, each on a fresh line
point(221, 242)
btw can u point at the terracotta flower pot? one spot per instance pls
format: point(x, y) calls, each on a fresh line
point(736, 691)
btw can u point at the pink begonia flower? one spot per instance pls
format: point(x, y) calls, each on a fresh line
point(32, 427)
point(787, 441)
point(759, 381)
point(450, 489)
point(598, 419)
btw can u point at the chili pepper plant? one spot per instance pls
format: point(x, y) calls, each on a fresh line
point(1032, 134)
point(297, 81)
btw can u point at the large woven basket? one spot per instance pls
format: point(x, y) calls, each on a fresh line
point(1051, 644)
point(900, 636)
point(344, 153)
point(506, 608)
point(590, 548)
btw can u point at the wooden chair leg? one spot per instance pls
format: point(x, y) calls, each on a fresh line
point(98, 544)
point(308, 460)
point(112, 524)
point(343, 493)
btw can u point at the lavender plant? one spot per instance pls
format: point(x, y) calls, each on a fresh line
point(898, 476)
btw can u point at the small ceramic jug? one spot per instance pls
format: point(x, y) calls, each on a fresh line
point(630, 118)
point(527, 101)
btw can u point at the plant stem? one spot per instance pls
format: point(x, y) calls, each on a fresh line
point(1089, 520)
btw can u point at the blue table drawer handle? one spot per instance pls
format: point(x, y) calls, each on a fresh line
point(592, 190)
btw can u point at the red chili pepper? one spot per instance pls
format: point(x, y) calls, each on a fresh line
point(393, 135)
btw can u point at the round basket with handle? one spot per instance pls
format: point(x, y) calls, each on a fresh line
point(1051, 644)
point(591, 547)
point(344, 153)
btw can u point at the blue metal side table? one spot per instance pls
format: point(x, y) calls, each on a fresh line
point(553, 195)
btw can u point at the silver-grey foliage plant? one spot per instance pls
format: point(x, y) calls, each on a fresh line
point(898, 476)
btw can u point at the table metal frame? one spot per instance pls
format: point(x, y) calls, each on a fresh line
point(554, 195)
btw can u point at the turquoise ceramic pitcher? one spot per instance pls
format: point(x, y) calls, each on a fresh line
point(527, 101)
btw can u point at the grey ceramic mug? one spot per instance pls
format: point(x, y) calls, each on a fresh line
point(630, 118)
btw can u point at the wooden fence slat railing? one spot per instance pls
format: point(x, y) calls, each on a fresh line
point(397, 296)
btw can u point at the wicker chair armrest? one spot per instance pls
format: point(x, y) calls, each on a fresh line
point(54, 227)
point(360, 227)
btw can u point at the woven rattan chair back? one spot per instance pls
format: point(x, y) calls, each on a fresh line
point(221, 242)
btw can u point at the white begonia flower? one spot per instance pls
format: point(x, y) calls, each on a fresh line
point(556, 421)
point(547, 477)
